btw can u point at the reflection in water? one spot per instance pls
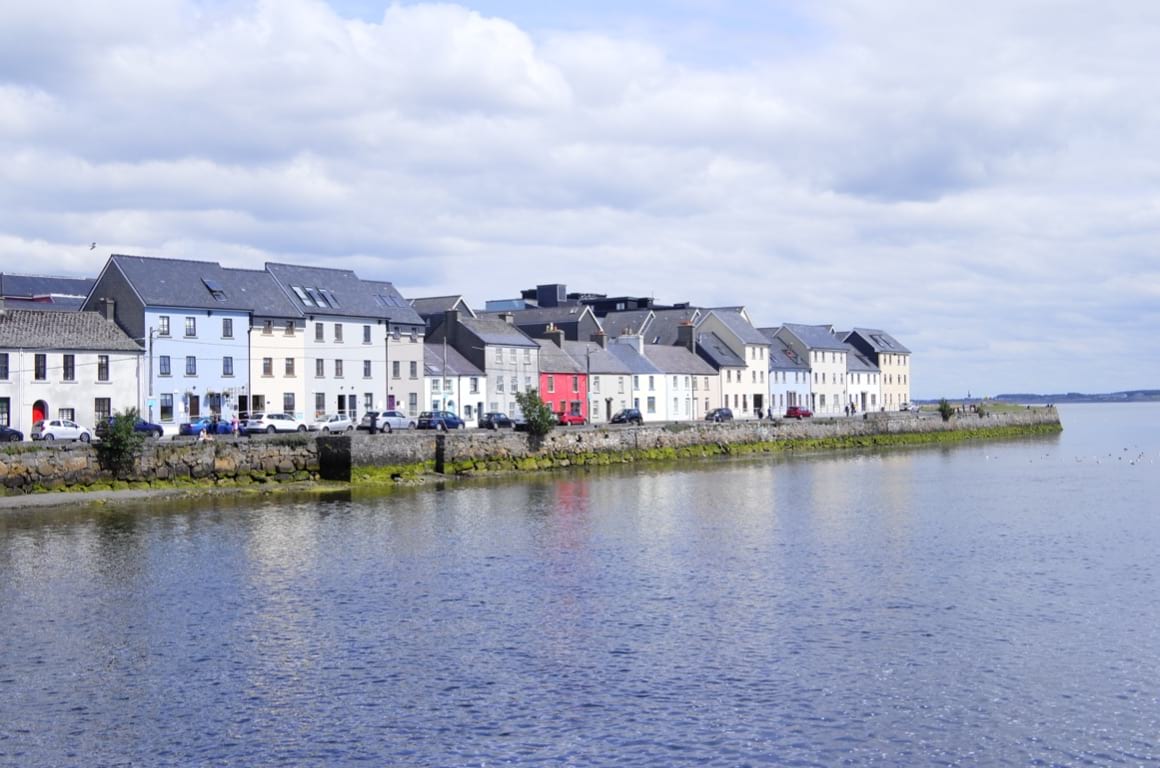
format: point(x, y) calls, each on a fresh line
point(881, 607)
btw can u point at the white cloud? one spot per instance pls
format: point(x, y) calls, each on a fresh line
point(979, 180)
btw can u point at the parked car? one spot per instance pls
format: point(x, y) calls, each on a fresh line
point(10, 435)
point(719, 415)
point(907, 407)
point(386, 421)
point(495, 420)
point(570, 419)
point(628, 416)
point(207, 426)
point(335, 422)
point(798, 412)
point(273, 422)
point(60, 429)
point(153, 430)
point(441, 420)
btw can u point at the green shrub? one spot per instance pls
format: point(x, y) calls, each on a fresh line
point(120, 445)
point(945, 409)
point(537, 415)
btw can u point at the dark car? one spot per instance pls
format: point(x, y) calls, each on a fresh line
point(10, 435)
point(495, 420)
point(441, 420)
point(798, 412)
point(628, 416)
point(153, 430)
point(719, 415)
point(209, 426)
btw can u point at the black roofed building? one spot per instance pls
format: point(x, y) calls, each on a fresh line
point(892, 359)
point(44, 293)
point(789, 374)
point(72, 365)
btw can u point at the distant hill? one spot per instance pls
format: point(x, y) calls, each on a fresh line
point(1129, 396)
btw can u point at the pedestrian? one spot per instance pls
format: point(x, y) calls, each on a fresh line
point(234, 425)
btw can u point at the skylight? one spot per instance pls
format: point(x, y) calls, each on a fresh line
point(316, 294)
point(215, 288)
point(301, 294)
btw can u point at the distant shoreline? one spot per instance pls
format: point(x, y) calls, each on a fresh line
point(1131, 396)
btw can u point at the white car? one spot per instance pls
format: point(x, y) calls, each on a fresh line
point(60, 429)
point(273, 422)
point(335, 422)
point(387, 421)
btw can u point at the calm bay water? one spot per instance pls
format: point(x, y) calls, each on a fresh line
point(988, 604)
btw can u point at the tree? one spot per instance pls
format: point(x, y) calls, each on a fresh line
point(945, 409)
point(537, 415)
point(121, 443)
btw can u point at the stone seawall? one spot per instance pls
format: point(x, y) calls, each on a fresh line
point(33, 468)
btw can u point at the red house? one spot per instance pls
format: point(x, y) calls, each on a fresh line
point(563, 382)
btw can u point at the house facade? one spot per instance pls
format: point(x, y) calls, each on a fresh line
point(609, 379)
point(647, 383)
point(508, 357)
point(826, 355)
point(563, 379)
point(789, 375)
point(892, 360)
point(747, 387)
point(71, 365)
point(863, 382)
point(686, 375)
point(452, 383)
point(405, 355)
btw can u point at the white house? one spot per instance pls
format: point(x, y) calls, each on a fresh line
point(827, 360)
point(789, 375)
point(452, 383)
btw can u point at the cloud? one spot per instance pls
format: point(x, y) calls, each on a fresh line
point(980, 181)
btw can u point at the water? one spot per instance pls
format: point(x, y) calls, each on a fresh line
point(987, 604)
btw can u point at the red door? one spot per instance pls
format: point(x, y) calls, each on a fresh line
point(39, 411)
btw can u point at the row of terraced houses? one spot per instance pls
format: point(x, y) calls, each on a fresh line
point(182, 339)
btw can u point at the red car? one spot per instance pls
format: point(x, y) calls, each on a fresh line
point(798, 412)
point(570, 419)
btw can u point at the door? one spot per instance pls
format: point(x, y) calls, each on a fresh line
point(39, 411)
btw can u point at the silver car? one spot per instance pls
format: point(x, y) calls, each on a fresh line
point(60, 429)
point(387, 421)
point(273, 422)
point(335, 422)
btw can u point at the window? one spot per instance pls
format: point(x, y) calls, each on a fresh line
point(4, 369)
point(499, 383)
point(102, 367)
point(527, 355)
point(414, 335)
point(395, 333)
point(319, 368)
point(5, 411)
point(267, 366)
point(414, 370)
point(620, 385)
point(475, 385)
point(499, 354)
point(289, 329)
point(595, 384)
point(163, 365)
point(435, 384)
point(287, 402)
point(412, 404)
point(68, 414)
point(528, 383)
point(69, 368)
point(267, 327)
point(227, 366)
point(551, 384)
point(40, 367)
point(515, 384)
point(636, 382)
point(190, 365)
point(102, 409)
point(368, 401)
point(652, 385)
point(395, 369)
point(338, 332)
point(227, 327)
point(163, 325)
point(652, 404)
point(190, 326)
point(575, 383)
point(167, 407)
point(289, 366)
point(319, 333)
point(366, 369)
point(366, 336)
point(338, 369)
point(319, 403)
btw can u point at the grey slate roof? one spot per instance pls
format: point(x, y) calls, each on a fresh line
point(543, 315)
point(597, 360)
point(881, 341)
point(54, 304)
point(672, 359)
point(736, 322)
point(619, 323)
point(717, 352)
point(662, 329)
point(856, 362)
point(457, 364)
point(330, 292)
point(90, 331)
point(555, 359)
point(28, 286)
point(392, 304)
point(180, 283)
point(781, 356)
point(490, 330)
point(266, 298)
point(633, 360)
point(816, 336)
point(437, 305)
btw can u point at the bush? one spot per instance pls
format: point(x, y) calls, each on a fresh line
point(537, 415)
point(121, 444)
point(945, 409)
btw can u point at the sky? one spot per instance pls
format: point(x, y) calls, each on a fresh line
point(981, 180)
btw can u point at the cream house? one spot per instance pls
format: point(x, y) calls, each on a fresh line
point(747, 388)
point(892, 359)
point(826, 355)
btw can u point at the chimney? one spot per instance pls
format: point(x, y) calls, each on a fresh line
point(110, 307)
point(686, 337)
point(451, 326)
point(601, 339)
point(554, 334)
point(634, 340)
point(508, 318)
